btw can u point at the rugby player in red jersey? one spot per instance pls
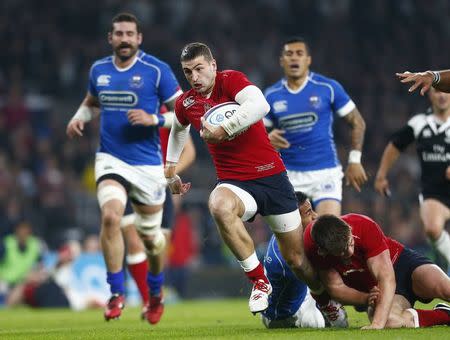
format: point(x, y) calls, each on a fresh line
point(251, 175)
point(361, 266)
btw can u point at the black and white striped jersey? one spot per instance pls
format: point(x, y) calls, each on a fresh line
point(432, 137)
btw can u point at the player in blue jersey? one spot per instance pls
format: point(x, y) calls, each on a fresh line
point(291, 304)
point(127, 89)
point(302, 108)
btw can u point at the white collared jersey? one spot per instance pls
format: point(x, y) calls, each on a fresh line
point(432, 138)
point(306, 115)
point(146, 84)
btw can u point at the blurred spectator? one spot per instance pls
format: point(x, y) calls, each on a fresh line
point(19, 253)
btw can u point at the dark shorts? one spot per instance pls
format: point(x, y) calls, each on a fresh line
point(168, 211)
point(274, 195)
point(408, 261)
point(444, 199)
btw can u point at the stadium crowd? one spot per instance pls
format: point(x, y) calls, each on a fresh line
point(48, 179)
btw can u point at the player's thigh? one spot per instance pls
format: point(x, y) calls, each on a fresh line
point(291, 245)
point(228, 200)
point(429, 282)
point(112, 197)
point(328, 206)
point(434, 213)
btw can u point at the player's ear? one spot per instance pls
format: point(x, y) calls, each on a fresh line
point(309, 60)
point(110, 38)
point(214, 65)
point(139, 38)
point(321, 252)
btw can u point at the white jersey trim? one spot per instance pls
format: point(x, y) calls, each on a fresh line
point(346, 109)
point(285, 83)
point(324, 84)
point(154, 66)
point(119, 69)
point(174, 96)
point(417, 123)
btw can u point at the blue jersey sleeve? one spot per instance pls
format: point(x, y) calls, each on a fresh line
point(342, 103)
point(168, 84)
point(92, 89)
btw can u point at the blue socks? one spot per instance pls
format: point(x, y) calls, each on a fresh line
point(155, 283)
point(116, 282)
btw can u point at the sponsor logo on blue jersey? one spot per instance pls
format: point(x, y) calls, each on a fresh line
point(103, 80)
point(298, 121)
point(118, 98)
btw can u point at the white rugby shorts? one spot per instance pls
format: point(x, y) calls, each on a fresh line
point(318, 184)
point(148, 184)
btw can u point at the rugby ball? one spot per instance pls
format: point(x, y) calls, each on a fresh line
point(219, 113)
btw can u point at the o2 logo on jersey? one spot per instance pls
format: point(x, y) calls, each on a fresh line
point(298, 121)
point(136, 81)
point(118, 98)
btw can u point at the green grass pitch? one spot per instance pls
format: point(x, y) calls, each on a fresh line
point(218, 319)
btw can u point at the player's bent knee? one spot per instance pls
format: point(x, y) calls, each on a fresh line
point(110, 219)
point(149, 226)
point(111, 192)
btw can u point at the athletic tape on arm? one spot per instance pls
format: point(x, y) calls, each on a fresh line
point(253, 107)
point(177, 139)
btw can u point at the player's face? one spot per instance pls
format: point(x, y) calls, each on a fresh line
point(295, 60)
point(200, 73)
point(307, 213)
point(439, 100)
point(125, 39)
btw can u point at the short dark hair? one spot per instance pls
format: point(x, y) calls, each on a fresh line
point(194, 50)
point(331, 233)
point(126, 17)
point(301, 197)
point(296, 39)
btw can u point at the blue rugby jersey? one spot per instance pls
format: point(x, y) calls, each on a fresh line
point(288, 292)
point(146, 84)
point(307, 117)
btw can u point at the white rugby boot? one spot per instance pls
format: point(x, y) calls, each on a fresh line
point(259, 298)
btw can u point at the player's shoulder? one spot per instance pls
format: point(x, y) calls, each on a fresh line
point(320, 79)
point(152, 61)
point(418, 118)
point(99, 63)
point(230, 73)
point(355, 217)
point(185, 100)
point(274, 88)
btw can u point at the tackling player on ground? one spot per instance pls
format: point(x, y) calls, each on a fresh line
point(361, 266)
point(128, 89)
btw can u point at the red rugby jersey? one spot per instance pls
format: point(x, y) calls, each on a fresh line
point(369, 242)
point(250, 154)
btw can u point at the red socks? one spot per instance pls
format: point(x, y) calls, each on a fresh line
point(257, 274)
point(139, 273)
point(433, 317)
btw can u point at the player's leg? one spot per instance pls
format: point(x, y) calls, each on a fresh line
point(430, 282)
point(434, 215)
point(112, 198)
point(229, 206)
point(400, 315)
point(328, 206)
point(148, 224)
point(326, 192)
point(136, 258)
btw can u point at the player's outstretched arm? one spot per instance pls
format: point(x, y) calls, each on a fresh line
point(355, 175)
point(339, 291)
point(440, 80)
point(390, 155)
point(382, 270)
point(88, 110)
